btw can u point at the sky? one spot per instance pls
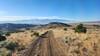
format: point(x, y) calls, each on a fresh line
point(79, 10)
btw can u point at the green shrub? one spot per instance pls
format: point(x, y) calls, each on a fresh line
point(36, 34)
point(7, 34)
point(80, 29)
point(12, 46)
point(65, 29)
point(2, 38)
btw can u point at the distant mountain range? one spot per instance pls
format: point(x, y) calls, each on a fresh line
point(13, 27)
point(37, 21)
point(16, 27)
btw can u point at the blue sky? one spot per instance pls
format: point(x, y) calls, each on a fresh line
point(82, 10)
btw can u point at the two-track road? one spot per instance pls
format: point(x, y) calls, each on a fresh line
point(46, 45)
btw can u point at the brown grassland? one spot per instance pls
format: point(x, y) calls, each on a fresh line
point(77, 44)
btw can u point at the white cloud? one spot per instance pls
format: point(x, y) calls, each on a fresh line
point(13, 18)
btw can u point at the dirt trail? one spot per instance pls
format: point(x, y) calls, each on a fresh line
point(46, 45)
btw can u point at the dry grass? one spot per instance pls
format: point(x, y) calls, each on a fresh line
point(22, 38)
point(77, 43)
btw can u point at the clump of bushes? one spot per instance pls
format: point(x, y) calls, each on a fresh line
point(7, 34)
point(8, 47)
point(2, 38)
point(65, 29)
point(80, 29)
point(12, 46)
point(35, 33)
